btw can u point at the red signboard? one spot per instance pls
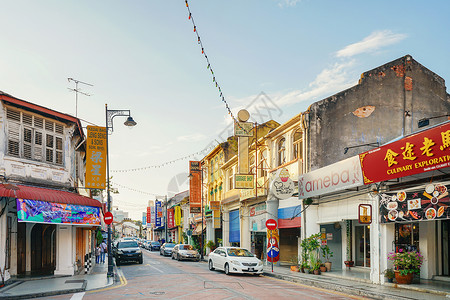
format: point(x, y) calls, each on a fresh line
point(418, 153)
point(271, 224)
point(149, 215)
point(108, 218)
point(170, 218)
point(195, 186)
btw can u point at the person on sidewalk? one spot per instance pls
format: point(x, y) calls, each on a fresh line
point(98, 253)
point(103, 249)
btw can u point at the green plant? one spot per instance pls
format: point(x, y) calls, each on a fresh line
point(294, 260)
point(310, 251)
point(185, 237)
point(211, 245)
point(389, 273)
point(326, 253)
point(406, 261)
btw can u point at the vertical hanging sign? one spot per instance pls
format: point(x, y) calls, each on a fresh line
point(96, 157)
point(158, 214)
point(195, 186)
point(170, 218)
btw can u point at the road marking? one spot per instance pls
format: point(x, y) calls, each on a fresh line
point(157, 269)
point(315, 288)
point(123, 282)
point(78, 296)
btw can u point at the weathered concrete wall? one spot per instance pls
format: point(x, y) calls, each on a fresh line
point(387, 103)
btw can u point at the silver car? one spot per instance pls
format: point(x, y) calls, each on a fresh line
point(185, 251)
point(166, 249)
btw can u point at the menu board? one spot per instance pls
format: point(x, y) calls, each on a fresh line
point(431, 203)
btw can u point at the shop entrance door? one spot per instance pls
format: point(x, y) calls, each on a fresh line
point(446, 248)
point(362, 245)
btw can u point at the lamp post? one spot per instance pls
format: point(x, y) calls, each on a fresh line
point(110, 114)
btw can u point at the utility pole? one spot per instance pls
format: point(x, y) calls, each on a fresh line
point(76, 90)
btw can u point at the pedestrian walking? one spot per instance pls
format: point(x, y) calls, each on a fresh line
point(98, 253)
point(103, 249)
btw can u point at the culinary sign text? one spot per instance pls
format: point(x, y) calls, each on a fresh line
point(418, 153)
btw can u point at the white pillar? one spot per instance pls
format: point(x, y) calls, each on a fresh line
point(245, 227)
point(65, 250)
point(428, 248)
point(376, 266)
point(226, 228)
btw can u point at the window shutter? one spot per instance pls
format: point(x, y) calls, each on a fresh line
point(13, 138)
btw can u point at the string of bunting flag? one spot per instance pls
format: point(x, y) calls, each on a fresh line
point(210, 68)
point(212, 146)
point(133, 190)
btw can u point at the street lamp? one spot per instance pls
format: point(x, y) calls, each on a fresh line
point(110, 114)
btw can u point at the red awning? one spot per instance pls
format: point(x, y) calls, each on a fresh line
point(43, 194)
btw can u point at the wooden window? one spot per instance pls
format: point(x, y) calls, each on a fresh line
point(30, 135)
point(298, 144)
point(281, 150)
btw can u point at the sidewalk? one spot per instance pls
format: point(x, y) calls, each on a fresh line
point(45, 287)
point(360, 286)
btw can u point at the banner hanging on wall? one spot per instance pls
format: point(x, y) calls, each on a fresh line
point(56, 213)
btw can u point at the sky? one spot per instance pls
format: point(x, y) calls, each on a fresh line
point(272, 57)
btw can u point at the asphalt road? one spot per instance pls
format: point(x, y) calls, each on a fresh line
point(164, 278)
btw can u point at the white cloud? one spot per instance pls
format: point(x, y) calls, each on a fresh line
point(288, 3)
point(373, 42)
point(191, 137)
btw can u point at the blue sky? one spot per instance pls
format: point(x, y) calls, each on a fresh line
point(143, 56)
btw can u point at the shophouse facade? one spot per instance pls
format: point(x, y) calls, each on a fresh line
point(286, 160)
point(46, 227)
point(384, 106)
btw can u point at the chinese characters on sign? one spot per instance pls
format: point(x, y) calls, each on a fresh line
point(418, 153)
point(170, 218)
point(96, 157)
point(195, 186)
point(244, 181)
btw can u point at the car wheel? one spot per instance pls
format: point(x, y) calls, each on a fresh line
point(160, 253)
point(211, 265)
point(173, 256)
point(141, 260)
point(227, 269)
point(178, 257)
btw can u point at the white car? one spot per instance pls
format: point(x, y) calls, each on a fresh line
point(234, 260)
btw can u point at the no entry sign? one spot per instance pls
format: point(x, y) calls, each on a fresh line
point(271, 224)
point(108, 218)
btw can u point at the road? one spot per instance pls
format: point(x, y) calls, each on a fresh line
point(163, 278)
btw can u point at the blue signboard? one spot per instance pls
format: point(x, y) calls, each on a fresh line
point(144, 220)
point(158, 214)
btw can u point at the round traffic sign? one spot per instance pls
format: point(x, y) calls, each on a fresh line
point(271, 224)
point(108, 218)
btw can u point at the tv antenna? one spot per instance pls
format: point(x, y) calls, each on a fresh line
point(77, 90)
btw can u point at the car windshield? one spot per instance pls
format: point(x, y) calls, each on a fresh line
point(239, 252)
point(128, 244)
point(155, 243)
point(186, 247)
point(169, 245)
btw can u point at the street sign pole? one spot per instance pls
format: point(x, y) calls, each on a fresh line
point(271, 225)
point(272, 250)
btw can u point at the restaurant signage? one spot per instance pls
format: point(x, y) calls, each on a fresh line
point(243, 129)
point(177, 216)
point(338, 176)
point(96, 157)
point(282, 186)
point(170, 218)
point(430, 203)
point(365, 214)
point(56, 213)
point(195, 186)
point(418, 153)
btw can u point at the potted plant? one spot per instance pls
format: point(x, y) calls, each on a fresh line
point(406, 264)
point(316, 267)
point(294, 263)
point(323, 268)
point(211, 245)
point(327, 253)
point(389, 273)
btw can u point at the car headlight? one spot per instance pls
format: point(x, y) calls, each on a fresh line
point(260, 263)
point(119, 252)
point(139, 251)
point(235, 262)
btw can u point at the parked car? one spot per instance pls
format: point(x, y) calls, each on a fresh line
point(154, 246)
point(166, 249)
point(234, 260)
point(128, 251)
point(185, 251)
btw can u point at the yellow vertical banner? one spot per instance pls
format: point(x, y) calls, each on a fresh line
point(177, 216)
point(96, 157)
point(216, 216)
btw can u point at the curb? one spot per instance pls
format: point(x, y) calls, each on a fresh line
point(347, 289)
point(48, 294)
